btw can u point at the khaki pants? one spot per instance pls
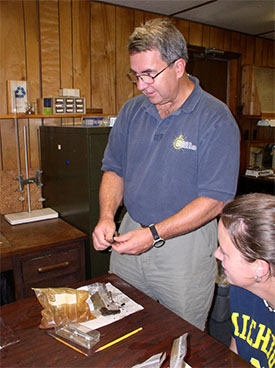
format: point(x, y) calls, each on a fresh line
point(180, 275)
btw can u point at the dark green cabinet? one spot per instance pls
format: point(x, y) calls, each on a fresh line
point(71, 159)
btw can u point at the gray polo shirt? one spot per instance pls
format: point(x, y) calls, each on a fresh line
point(167, 163)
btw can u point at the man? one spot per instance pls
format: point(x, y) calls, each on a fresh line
point(173, 157)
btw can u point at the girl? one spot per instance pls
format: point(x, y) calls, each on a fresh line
point(247, 251)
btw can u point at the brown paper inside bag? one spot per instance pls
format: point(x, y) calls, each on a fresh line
point(63, 306)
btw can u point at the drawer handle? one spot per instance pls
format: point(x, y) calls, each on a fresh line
point(53, 267)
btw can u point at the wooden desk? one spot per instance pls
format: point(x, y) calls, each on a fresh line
point(41, 254)
point(249, 184)
point(160, 328)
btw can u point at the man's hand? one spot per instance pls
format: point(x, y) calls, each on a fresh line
point(134, 242)
point(103, 235)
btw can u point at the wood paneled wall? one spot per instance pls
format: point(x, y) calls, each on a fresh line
point(82, 44)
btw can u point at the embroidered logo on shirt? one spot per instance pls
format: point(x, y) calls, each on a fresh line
point(180, 143)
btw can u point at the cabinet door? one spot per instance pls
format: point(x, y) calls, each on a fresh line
point(64, 159)
point(99, 261)
point(97, 144)
point(71, 162)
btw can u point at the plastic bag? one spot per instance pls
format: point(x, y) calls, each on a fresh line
point(63, 306)
point(178, 352)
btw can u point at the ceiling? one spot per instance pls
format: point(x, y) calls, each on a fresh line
point(253, 17)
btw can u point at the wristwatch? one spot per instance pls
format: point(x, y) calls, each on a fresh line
point(158, 241)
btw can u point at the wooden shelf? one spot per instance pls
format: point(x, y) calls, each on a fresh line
point(47, 116)
point(269, 115)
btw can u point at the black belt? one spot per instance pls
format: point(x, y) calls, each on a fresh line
point(143, 226)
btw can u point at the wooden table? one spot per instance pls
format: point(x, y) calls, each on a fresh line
point(160, 328)
point(41, 254)
point(249, 184)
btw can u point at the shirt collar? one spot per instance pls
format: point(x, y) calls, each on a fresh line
point(190, 104)
point(187, 107)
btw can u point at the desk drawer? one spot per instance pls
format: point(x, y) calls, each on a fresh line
point(51, 264)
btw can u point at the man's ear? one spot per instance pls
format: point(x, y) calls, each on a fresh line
point(262, 268)
point(180, 67)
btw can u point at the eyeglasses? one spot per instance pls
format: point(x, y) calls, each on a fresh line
point(146, 78)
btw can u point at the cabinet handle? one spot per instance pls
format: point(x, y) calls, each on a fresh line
point(53, 267)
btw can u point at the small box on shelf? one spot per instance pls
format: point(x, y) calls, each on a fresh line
point(61, 105)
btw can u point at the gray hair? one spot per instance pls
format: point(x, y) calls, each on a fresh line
point(250, 222)
point(160, 34)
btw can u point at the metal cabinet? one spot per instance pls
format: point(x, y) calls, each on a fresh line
point(71, 159)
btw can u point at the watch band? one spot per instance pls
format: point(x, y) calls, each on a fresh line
point(154, 232)
point(158, 241)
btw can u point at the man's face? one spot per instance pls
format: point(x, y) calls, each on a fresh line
point(164, 89)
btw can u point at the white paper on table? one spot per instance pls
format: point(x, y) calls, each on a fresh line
point(154, 361)
point(127, 307)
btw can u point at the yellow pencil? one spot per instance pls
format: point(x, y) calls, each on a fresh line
point(69, 345)
point(119, 339)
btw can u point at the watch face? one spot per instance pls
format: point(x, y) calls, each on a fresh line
point(159, 243)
